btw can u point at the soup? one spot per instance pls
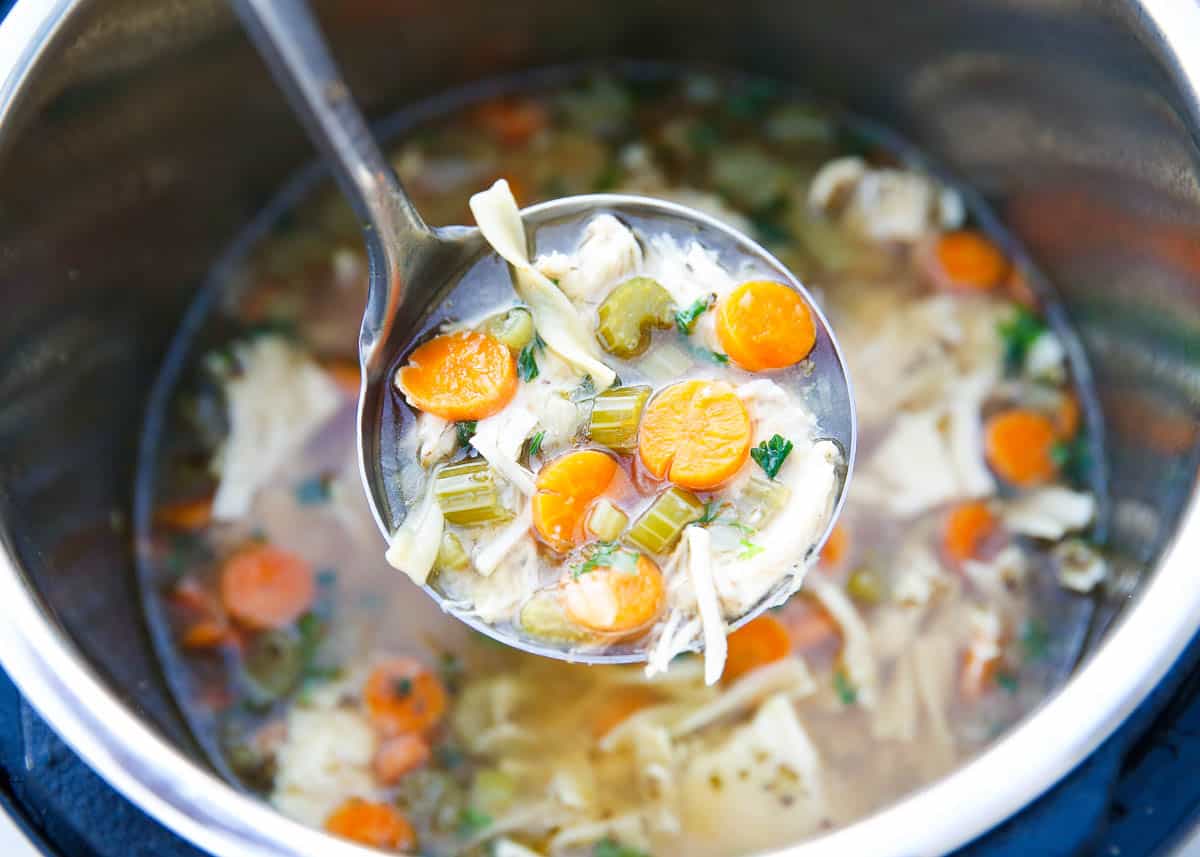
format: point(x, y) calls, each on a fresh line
point(942, 609)
point(561, 492)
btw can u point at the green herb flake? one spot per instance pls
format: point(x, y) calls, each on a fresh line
point(471, 821)
point(709, 356)
point(450, 668)
point(449, 756)
point(466, 429)
point(846, 692)
point(712, 510)
point(1018, 333)
point(1006, 681)
point(685, 319)
point(609, 847)
point(326, 578)
point(586, 391)
point(1035, 640)
point(749, 549)
point(1072, 458)
point(608, 555)
point(527, 367)
point(314, 490)
point(535, 443)
point(402, 688)
point(770, 454)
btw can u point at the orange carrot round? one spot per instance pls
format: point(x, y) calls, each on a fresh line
point(619, 706)
point(185, 515)
point(967, 527)
point(460, 376)
point(837, 547)
point(968, 261)
point(263, 587)
point(765, 325)
point(512, 122)
point(566, 488)
point(398, 756)
point(762, 641)
point(808, 624)
point(205, 634)
point(614, 601)
point(1068, 416)
point(695, 433)
point(1018, 446)
point(378, 825)
point(346, 374)
point(403, 696)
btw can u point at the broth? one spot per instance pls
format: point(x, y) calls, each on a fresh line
point(934, 622)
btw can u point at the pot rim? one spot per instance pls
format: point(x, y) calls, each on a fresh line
point(153, 774)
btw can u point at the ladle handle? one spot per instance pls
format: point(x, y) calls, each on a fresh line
point(289, 39)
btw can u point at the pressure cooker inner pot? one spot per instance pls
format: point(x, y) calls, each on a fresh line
point(147, 136)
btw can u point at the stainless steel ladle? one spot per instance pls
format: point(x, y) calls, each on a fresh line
point(409, 259)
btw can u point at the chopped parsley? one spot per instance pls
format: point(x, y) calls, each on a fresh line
point(685, 319)
point(527, 367)
point(451, 670)
point(710, 356)
point(465, 431)
point(770, 454)
point(1073, 458)
point(712, 510)
point(326, 578)
point(1019, 333)
point(586, 390)
point(609, 847)
point(1035, 639)
point(449, 756)
point(314, 490)
point(402, 688)
point(471, 821)
point(846, 692)
point(749, 549)
point(535, 443)
point(1007, 681)
point(608, 555)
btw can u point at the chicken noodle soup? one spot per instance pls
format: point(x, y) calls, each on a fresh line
point(945, 605)
point(656, 508)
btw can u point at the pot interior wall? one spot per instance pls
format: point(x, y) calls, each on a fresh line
point(152, 133)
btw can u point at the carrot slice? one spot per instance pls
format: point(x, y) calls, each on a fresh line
point(808, 624)
point(695, 433)
point(762, 641)
point(345, 373)
point(403, 696)
point(968, 261)
point(1018, 445)
point(460, 376)
point(186, 515)
point(1068, 416)
point(378, 825)
point(398, 756)
point(837, 547)
point(967, 527)
point(205, 634)
point(566, 489)
point(977, 675)
point(512, 122)
point(264, 587)
point(619, 706)
point(765, 325)
point(614, 601)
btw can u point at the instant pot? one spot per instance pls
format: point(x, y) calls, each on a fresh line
point(138, 136)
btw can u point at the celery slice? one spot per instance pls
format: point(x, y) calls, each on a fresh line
point(606, 521)
point(658, 528)
point(615, 416)
point(467, 494)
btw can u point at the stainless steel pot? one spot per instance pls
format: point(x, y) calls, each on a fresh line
point(139, 135)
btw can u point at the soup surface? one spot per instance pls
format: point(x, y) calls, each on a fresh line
point(948, 602)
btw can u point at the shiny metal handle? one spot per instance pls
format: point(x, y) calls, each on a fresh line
point(288, 38)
